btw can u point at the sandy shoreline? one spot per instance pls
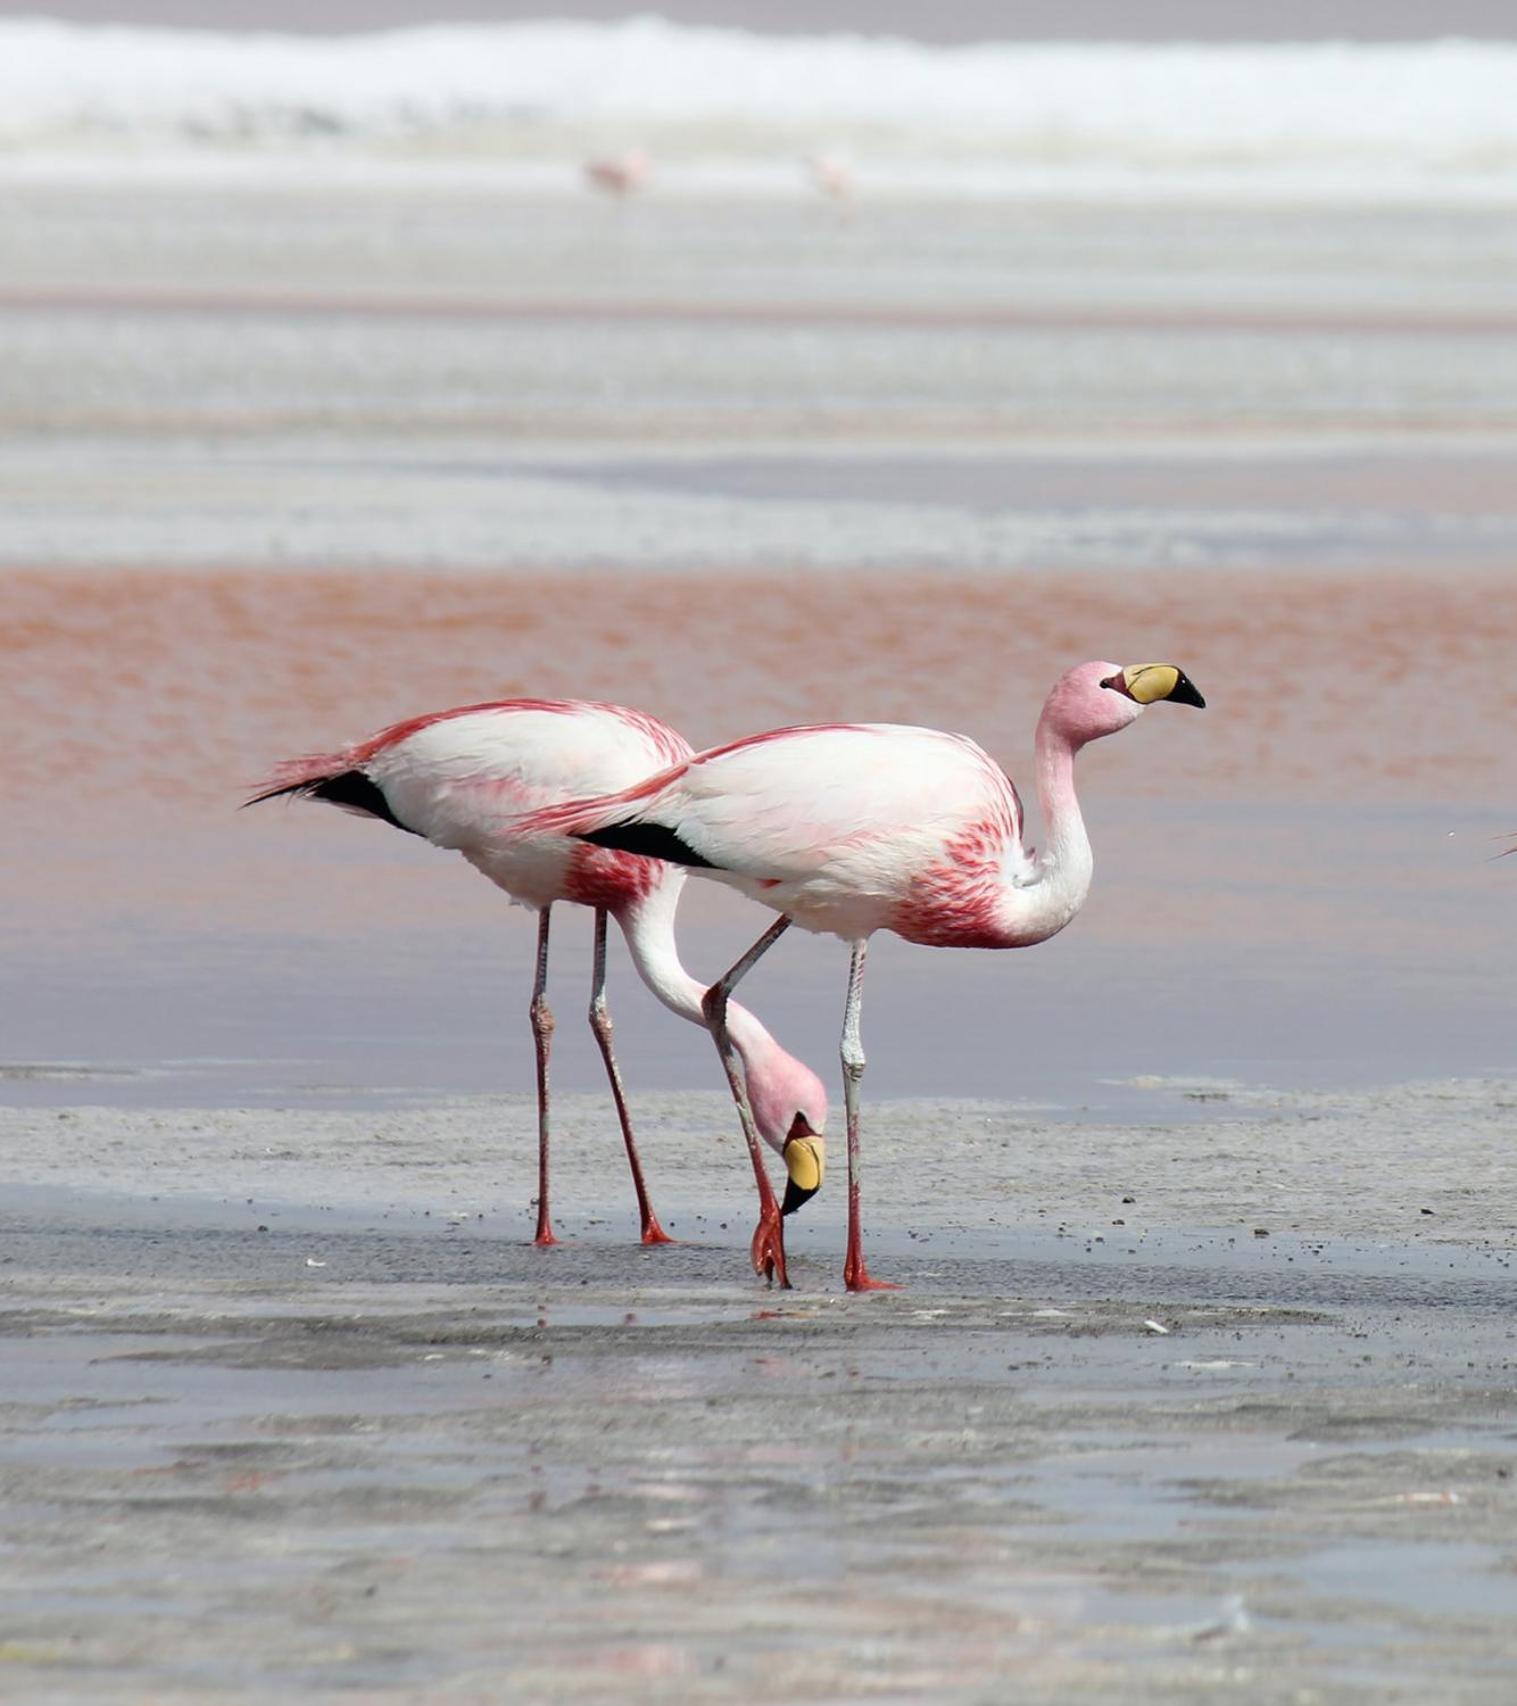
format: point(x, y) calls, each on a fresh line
point(349, 1435)
point(1357, 1164)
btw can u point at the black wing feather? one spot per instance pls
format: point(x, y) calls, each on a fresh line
point(652, 840)
point(350, 789)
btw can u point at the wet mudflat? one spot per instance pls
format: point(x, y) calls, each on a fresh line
point(311, 1416)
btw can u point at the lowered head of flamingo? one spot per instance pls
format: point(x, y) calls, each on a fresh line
point(788, 1102)
point(1096, 699)
point(790, 1110)
point(786, 1098)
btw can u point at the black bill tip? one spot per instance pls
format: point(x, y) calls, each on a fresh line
point(794, 1197)
point(1186, 693)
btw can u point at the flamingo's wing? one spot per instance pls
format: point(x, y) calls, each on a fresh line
point(535, 750)
point(872, 800)
point(456, 774)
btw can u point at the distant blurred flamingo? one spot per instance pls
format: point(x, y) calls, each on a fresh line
point(619, 174)
point(831, 176)
point(462, 778)
point(849, 828)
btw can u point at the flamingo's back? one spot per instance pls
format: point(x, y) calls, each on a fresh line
point(463, 778)
point(846, 828)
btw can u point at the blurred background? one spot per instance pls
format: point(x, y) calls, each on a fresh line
point(753, 364)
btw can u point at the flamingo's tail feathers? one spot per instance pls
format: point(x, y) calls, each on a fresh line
point(327, 779)
point(652, 840)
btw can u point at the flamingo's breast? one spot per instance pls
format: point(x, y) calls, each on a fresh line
point(957, 900)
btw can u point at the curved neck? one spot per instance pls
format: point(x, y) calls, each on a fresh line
point(648, 925)
point(1037, 910)
point(1068, 845)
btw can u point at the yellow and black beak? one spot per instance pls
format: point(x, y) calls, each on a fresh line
point(805, 1156)
point(1150, 682)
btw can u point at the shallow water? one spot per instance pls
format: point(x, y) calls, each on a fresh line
point(768, 470)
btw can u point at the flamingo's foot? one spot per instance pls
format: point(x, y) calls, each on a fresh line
point(768, 1250)
point(544, 1236)
point(856, 1278)
point(653, 1233)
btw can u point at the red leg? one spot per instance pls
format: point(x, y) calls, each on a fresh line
point(768, 1247)
point(600, 1023)
point(767, 1250)
point(542, 1034)
point(855, 1273)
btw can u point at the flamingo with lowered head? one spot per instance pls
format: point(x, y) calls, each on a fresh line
point(849, 828)
point(463, 779)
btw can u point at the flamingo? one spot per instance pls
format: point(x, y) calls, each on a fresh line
point(461, 779)
point(620, 174)
point(849, 828)
point(830, 176)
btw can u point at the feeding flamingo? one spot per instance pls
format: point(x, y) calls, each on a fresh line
point(849, 828)
point(462, 779)
point(619, 174)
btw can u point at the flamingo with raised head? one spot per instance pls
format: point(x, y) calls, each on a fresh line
point(619, 174)
point(849, 828)
point(463, 779)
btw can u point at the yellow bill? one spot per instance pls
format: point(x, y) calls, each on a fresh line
point(806, 1162)
point(1150, 682)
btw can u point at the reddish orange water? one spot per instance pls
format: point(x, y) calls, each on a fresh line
point(1296, 832)
point(181, 687)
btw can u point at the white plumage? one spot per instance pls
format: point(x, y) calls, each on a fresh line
point(856, 827)
point(464, 779)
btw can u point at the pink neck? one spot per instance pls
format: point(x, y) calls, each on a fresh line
point(1034, 912)
point(1062, 823)
point(648, 925)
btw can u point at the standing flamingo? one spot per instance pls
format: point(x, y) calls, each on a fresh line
point(849, 828)
point(619, 174)
point(831, 176)
point(462, 778)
